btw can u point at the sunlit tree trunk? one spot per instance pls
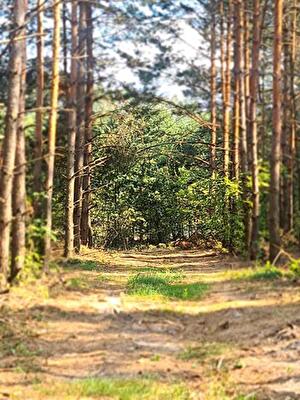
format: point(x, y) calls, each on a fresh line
point(69, 233)
point(236, 93)
point(286, 123)
point(10, 137)
point(242, 93)
point(247, 56)
point(228, 60)
point(19, 183)
point(40, 86)
point(65, 38)
point(254, 78)
point(213, 91)
point(86, 229)
point(289, 117)
point(223, 81)
point(275, 240)
point(292, 142)
point(80, 136)
point(52, 129)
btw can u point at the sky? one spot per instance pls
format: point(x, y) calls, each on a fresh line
point(187, 48)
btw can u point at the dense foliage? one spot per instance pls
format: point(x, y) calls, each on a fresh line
point(155, 185)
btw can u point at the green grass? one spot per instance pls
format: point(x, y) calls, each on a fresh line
point(265, 273)
point(83, 265)
point(165, 285)
point(77, 284)
point(120, 389)
point(203, 352)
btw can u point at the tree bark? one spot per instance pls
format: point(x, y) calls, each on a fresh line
point(236, 93)
point(10, 137)
point(223, 68)
point(69, 233)
point(274, 211)
point(80, 137)
point(247, 57)
point(254, 78)
point(292, 142)
point(289, 117)
point(19, 184)
point(286, 123)
point(86, 229)
point(52, 130)
point(213, 91)
point(38, 150)
point(226, 122)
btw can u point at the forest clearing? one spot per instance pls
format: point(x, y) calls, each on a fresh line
point(149, 199)
point(91, 334)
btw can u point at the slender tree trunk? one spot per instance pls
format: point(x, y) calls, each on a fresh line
point(52, 129)
point(292, 143)
point(213, 91)
point(236, 94)
point(19, 183)
point(247, 57)
point(242, 94)
point(222, 61)
point(289, 117)
point(275, 240)
point(69, 235)
point(226, 122)
point(86, 229)
point(243, 147)
point(80, 137)
point(38, 150)
point(254, 78)
point(10, 137)
point(65, 38)
point(286, 124)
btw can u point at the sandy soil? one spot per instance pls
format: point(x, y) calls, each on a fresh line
point(243, 336)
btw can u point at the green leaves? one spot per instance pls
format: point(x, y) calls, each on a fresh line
point(154, 189)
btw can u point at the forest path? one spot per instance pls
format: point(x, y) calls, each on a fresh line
point(241, 336)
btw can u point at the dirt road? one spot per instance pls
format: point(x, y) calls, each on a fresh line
point(242, 338)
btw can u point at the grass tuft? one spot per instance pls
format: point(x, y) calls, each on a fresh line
point(203, 352)
point(82, 265)
point(165, 285)
point(121, 389)
point(265, 273)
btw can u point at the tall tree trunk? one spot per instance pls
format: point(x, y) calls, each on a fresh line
point(69, 235)
point(292, 142)
point(52, 129)
point(236, 94)
point(38, 150)
point(19, 183)
point(10, 137)
point(80, 137)
point(65, 38)
point(275, 240)
point(254, 78)
point(226, 122)
point(213, 91)
point(286, 122)
point(247, 57)
point(242, 93)
point(289, 117)
point(222, 60)
point(86, 229)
